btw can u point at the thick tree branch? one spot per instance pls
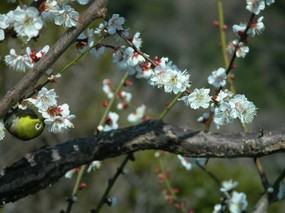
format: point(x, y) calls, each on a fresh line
point(46, 165)
point(96, 10)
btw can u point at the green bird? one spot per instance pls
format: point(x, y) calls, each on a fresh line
point(24, 124)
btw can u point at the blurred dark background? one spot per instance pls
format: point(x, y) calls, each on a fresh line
point(183, 31)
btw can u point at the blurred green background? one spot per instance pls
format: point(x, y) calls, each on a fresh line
point(183, 31)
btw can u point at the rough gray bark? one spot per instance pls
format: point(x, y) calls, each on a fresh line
point(44, 166)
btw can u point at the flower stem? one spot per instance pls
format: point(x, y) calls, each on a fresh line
point(224, 44)
point(73, 62)
point(112, 101)
point(78, 180)
point(170, 106)
point(111, 183)
point(168, 185)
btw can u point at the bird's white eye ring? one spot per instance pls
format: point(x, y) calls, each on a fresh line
point(38, 126)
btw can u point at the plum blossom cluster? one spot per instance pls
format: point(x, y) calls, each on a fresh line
point(190, 163)
point(112, 26)
point(27, 22)
point(59, 12)
point(123, 97)
point(84, 42)
point(235, 202)
point(225, 106)
point(255, 27)
point(160, 73)
point(25, 61)
point(56, 117)
point(255, 6)
point(124, 100)
point(93, 166)
point(230, 108)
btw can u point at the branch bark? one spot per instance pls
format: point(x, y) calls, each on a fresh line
point(44, 166)
point(96, 10)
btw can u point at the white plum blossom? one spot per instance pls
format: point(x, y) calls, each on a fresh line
point(146, 70)
point(2, 129)
point(107, 89)
point(218, 78)
point(241, 107)
point(205, 116)
point(269, 2)
point(161, 75)
point(224, 95)
point(70, 173)
point(19, 62)
point(118, 57)
point(248, 114)
point(23, 62)
point(238, 47)
point(126, 96)
point(66, 16)
point(44, 99)
point(52, 78)
point(238, 202)
point(115, 23)
point(185, 162)
point(101, 30)
point(190, 163)
point(83, 42)
point(255, 6)
point(236, 107)
point(198, 98)
point(178, 81)
point(256, 27)
point(57, 118)
point(137, 116)
point(49, 9)
point(94, 165)
point(223, 114)
point(36, 55)
point(228, 186)
point(136, 40)
point(239, 28)
point(218, 208)
point(27, 23)
point(128, 58)
point(83, 2)
point(111, 122)
point(170, 78)
point(3, 25)
point(132, 57)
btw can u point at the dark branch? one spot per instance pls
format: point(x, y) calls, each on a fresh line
point(46, 165)
point(28, 82)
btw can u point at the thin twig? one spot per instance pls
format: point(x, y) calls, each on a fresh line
point(262, 174)
point(111, 183)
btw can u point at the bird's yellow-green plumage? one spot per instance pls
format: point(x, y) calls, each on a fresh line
point(24, 124)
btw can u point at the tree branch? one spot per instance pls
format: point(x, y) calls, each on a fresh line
point(44, 166)
point(96, 10)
